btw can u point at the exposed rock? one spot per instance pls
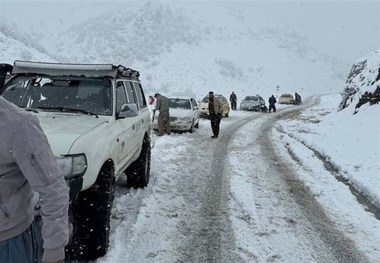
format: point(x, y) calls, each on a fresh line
point(363, 83)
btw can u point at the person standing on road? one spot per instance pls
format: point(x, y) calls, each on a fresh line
point(27, 164)
point(297, 98)
point(272, 102)
point(233, 100)
point(215, 108)
point(163, 121)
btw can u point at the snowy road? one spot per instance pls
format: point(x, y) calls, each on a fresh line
point(233, 199)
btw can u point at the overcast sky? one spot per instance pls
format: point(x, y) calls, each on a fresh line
point(345, 29)
point(349, 29)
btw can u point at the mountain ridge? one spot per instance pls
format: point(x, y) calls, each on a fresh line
point(189, 49)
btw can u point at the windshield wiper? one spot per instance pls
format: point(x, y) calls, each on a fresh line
point(68, 109)
point(31, 109)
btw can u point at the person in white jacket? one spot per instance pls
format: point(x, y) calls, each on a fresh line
point(215, 108)
point(27, 165)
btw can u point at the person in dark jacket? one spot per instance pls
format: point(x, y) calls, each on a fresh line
point(297, 98)
point(215, 108)
point(233, 100)
point(27, 165)
point(272, 104)
point(163, 121)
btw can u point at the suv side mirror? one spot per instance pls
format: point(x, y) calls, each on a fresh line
point(127, 110)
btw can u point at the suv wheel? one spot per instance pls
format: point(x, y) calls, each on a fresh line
point(138, 172)
point(91, 212)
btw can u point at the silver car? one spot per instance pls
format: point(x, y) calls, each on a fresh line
point(253, 103)
point(184, 114)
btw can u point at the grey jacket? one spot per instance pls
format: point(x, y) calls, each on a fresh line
point(162, 103)
point(26, 165)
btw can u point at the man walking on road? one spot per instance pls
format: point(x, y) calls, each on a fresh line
point(215, 108)
point(163, 121)
point(272, 102)
point(233, 100)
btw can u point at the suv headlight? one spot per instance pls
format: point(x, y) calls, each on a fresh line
point(72, 165)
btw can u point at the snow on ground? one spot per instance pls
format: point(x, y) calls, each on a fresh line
point(337, 136)
point(351, 145)
point(350, 142)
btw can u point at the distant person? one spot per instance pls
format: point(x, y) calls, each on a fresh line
point(272, 104)
point(297, 98)
point(163, 121)
point(233, 100)
point(215, 108)
point(27, 165)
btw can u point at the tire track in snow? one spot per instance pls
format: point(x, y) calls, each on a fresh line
point(212, 239)
point(335, 241)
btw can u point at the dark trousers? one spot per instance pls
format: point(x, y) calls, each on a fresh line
point(233, 104)
point(215, 122)
point(272, 106)
point(163, 123)
point(23, 248)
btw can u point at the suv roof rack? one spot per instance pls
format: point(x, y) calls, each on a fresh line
point(69, 69)
point(128, 72)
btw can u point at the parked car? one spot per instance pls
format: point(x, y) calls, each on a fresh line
point(253, 103)
point(286, 99)
point(98, 124)
point(184, 114)
point(203, 106)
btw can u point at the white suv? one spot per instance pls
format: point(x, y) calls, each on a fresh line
point(99, 127)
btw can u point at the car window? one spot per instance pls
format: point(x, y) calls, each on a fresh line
point(140, 95)
point(179, 103)
point(194, 102)
point(131, 95)
point(255, 98)
point(121, 96)
point(205, 99)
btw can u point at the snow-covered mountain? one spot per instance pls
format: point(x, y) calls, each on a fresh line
point(184, 48)
point(16, 46)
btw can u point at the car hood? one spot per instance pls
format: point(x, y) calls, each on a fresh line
point(63, 129)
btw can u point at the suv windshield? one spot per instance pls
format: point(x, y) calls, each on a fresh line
point(86, 95)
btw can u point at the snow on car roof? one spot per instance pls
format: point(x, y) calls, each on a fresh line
point(67, 69)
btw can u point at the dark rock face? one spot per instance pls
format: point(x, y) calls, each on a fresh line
point(363, 83)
